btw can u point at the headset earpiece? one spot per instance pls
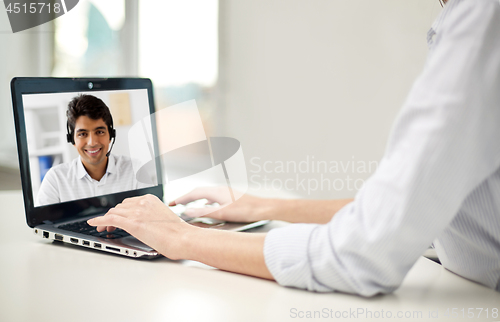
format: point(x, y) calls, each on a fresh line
point(112, 136)
point(69, 135)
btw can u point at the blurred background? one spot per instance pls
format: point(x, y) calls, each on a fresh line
point(309, 88)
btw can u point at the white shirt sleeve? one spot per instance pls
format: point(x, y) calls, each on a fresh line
point(445, 142)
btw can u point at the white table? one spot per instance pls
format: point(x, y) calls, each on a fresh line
point(45, 281)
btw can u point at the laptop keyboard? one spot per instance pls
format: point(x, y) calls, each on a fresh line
point(82, 227)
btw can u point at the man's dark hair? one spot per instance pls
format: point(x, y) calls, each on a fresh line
point(90, 106)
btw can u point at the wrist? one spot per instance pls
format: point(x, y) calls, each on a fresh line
point(191, 241)
point(177, 244)
point(270, 209)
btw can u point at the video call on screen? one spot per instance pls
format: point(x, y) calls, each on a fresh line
point(46, 127)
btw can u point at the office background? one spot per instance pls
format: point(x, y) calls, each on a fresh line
point(310, 88)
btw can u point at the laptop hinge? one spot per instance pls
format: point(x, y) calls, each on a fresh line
point(48, 222)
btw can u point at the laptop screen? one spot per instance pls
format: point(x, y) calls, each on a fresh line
point(80, 161)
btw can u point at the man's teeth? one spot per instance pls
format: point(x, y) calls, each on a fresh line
point(93, 151)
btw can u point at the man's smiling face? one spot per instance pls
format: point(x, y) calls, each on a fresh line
point(92, 141)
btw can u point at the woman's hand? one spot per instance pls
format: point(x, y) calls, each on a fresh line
point(246, 209)
point(250, 208)
point(148, 219)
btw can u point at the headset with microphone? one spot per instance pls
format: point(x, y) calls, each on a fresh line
point(112, 135)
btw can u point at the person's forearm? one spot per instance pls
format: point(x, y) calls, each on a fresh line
point(244, 253)
point(231, 251)
point(303, 211)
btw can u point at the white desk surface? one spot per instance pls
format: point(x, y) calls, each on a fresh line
point(45, 281)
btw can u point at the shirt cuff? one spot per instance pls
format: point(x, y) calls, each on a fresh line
point(286, 256)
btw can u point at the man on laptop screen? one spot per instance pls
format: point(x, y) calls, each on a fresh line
point(96, 171)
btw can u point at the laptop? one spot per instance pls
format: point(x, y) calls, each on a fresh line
point(46, 155)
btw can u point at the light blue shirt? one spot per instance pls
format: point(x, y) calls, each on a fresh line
point(439, 179)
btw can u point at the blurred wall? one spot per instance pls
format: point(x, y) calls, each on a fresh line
point(311, 88)
point(26, 53)
point(302, 84)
